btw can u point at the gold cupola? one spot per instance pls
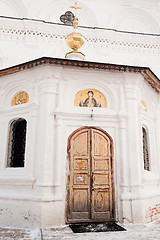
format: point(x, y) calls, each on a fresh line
point(75, 40)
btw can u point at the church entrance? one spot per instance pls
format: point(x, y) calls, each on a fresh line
point(90, 196)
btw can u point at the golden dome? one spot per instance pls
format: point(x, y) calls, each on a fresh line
point(75, 40)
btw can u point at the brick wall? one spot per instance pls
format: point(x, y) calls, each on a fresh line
point(153, 213)
point(126, 220)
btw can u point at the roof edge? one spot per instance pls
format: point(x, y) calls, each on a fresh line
point(147, 73)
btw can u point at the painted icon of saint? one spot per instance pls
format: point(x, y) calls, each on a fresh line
point(90, 101)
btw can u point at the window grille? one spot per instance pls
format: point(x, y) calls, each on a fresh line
point(17, 143)
point(145, 150)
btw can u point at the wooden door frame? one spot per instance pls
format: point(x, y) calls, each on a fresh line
point(68, 173)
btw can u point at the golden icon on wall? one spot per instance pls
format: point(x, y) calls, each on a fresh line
point(90, 98)
point(144, 105)
point(20, 98)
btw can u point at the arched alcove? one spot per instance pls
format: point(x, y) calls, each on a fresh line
point(75, 86)
point(134, 20)
point(14, 87)
point(11, 8)
point(52, 12)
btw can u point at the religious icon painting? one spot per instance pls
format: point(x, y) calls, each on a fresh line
point(90, 98)
point(20, 98)
point(143, 105)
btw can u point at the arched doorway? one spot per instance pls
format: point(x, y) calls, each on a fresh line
point(90, 187)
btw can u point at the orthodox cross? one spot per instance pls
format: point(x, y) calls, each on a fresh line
point(75, 23)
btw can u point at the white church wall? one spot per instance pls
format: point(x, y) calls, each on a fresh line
point(19, 183)
point(110, 116)
point(24, 40)
point(132, 169)
point(150, 179)
point(146, 191)
point(51, 118)
point(34, 40)
point(51, 115)
point(71, 118)
point(99, 14)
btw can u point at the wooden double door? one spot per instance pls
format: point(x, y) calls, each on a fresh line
point(90, 180)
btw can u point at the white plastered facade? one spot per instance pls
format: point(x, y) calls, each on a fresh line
point(35, 196)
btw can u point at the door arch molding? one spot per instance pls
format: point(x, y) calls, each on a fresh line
point(96, 185)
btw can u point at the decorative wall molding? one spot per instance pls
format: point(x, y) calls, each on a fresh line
point(148, 75)
point(40, 31)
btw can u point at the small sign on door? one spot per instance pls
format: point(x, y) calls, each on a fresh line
point(80, 179)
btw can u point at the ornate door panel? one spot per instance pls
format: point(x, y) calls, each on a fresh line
point(79, 189)
point(101, 186)
point(89, 180)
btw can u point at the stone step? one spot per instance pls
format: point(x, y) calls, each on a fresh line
point(57, 233)
point(7, 233)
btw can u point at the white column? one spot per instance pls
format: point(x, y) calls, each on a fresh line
point(123, 172)
point(31, 140)
point(157, 136)
point(134, 138)
point(3, 143)
point(132, 207)
point(60, 94)
point(124, 166)
point(45, 133)
point(59, 158)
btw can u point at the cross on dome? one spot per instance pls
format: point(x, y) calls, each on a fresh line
point(75, 23)
point(75, 7)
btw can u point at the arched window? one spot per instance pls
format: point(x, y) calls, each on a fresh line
point(17, 143)
point(145, 150)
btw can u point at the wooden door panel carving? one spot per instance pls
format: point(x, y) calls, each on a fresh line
point(101, 172)
point(80, 146)
point(80, 179)
point(100, 179)
point(79, 188)
point(100, 144)
point(80, 164)
point(80, 200)
point(90, 184)
point(101, 200)
point(101, 164)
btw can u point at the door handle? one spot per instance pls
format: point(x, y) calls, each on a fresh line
point(92, 178)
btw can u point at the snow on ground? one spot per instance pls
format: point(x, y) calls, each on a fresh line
point(7, 233)
point(139, 232)
point(149, 231)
